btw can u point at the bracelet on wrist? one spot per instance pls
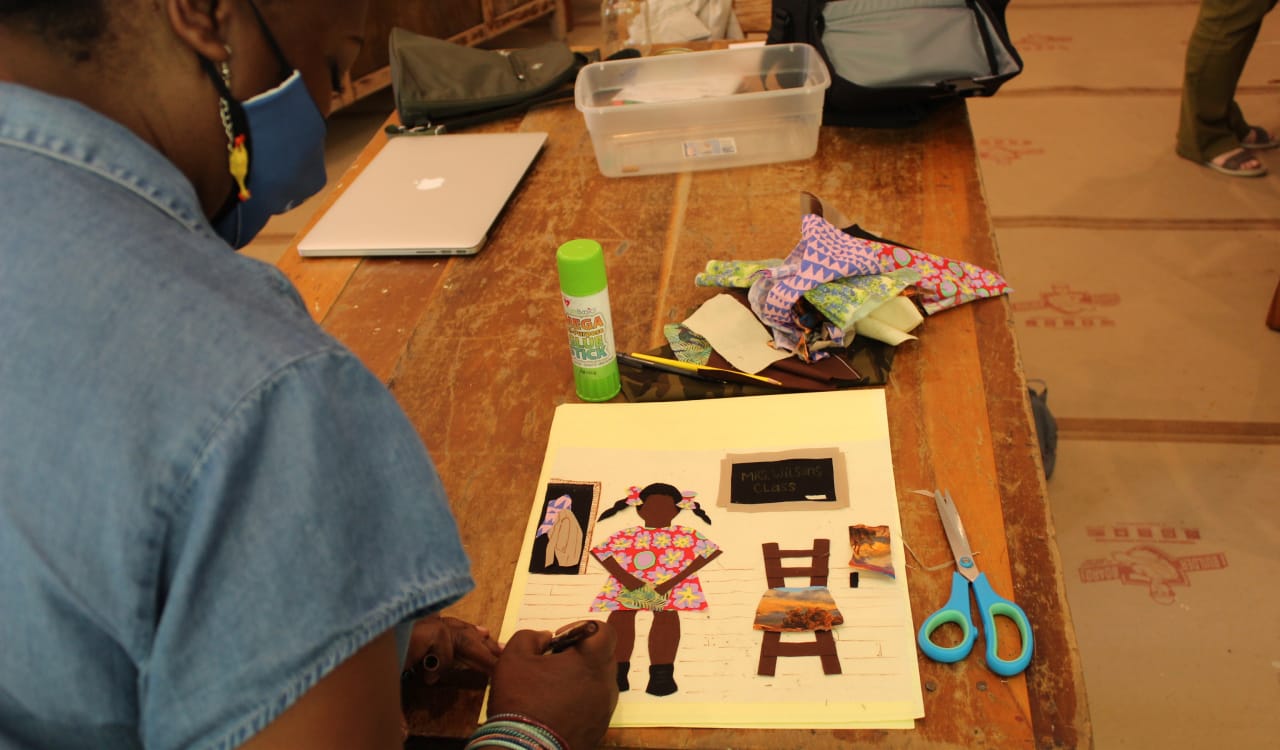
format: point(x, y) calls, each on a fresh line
point(512, 731)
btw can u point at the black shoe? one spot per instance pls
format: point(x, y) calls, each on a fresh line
point(623, 684)
point(661, 680)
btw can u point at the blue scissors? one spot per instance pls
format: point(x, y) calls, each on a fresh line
point(956, 610)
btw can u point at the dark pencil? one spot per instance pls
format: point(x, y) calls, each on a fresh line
point(571, 637)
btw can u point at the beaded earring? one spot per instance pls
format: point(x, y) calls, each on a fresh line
point(237, 152)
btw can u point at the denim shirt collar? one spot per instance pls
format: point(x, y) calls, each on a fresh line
point(73, 134)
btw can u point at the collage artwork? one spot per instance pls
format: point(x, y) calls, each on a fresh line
point(748, 587)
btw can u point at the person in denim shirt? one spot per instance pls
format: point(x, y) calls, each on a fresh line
point(217, 528)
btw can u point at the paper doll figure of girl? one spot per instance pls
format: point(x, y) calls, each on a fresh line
point(653, 567)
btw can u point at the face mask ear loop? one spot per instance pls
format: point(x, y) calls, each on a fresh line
point(237, 148)
point(285, 68)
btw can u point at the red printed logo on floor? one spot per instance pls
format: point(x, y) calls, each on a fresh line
point(1065, 308)
point(1157, 569)
point(1005, 151)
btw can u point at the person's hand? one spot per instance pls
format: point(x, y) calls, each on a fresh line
point(573, 692)
point(439, 645)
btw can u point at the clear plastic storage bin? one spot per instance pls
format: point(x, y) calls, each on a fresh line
point(703, 110)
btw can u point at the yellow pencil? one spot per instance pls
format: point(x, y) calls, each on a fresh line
point(706, 370)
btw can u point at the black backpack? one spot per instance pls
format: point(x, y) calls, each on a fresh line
point(893, 62)
point(1046, 425)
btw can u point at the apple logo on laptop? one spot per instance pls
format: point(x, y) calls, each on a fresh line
point(428, 183)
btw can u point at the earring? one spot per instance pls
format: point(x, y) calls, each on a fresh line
point(237, 152)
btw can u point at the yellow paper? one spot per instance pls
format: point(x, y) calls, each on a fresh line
point(682, 443)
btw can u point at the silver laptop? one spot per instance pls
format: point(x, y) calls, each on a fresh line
point(426, 195)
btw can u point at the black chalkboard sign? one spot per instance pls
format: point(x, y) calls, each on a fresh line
point(791, 479)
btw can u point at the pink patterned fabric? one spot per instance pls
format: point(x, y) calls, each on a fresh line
point(554, 509)
point(654, 556)
point(944, 283)
point(825, 253)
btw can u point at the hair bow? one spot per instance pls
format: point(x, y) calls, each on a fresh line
point(686, 501)
point(633, 496)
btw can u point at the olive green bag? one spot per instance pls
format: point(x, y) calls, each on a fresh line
point(439, 85)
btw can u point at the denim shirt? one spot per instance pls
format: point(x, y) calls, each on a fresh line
point(206, 503)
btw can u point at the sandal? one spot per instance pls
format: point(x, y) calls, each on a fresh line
point(1235, 162)
point(1259, 139)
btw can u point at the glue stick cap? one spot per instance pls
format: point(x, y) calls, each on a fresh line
point(581, 267)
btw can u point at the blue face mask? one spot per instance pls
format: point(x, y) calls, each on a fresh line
point(283, 133)
point(286, 159)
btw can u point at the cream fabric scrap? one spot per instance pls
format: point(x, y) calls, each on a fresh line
point(735, 332)
point(891, 322)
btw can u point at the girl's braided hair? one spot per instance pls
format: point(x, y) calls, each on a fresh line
point(657, 488)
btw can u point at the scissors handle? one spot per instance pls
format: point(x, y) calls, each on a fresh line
point(956, 610)
point(991, 605)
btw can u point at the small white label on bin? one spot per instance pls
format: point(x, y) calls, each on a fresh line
point(709, 147)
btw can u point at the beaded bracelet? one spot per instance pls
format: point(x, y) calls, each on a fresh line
point(516, 732)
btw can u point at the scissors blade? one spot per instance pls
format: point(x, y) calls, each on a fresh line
point(955, 534)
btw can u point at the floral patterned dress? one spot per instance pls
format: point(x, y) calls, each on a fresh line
point(654, 556)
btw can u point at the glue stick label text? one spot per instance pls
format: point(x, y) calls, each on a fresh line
point(590, 329)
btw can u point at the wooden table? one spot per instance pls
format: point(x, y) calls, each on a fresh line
point(475, 349)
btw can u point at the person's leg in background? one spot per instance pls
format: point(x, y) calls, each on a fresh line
point(1212, 129)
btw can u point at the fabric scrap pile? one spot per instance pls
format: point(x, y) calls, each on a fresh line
point(828, 316)
point(838, 283)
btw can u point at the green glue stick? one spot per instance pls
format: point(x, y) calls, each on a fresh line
point(584, 290)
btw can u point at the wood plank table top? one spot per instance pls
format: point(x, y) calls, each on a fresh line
point(475, 350)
